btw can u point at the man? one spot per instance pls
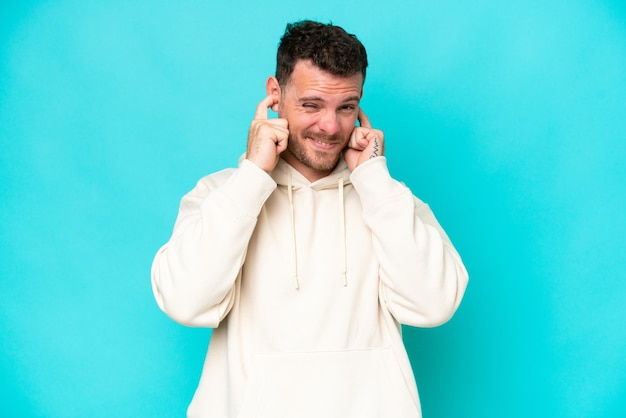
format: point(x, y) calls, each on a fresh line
point(307, 257)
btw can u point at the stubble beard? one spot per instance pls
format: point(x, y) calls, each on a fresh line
point(316, 160)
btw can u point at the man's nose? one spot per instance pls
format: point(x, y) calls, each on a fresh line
point(329, 122)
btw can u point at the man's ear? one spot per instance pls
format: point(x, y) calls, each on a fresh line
point(272, 87)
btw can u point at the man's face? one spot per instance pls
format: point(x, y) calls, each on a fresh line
point(321, 110)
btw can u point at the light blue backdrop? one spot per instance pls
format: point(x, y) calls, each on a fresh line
point(507, 117)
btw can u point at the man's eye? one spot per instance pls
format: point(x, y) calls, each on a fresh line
point(309, 105)
point(348, 108)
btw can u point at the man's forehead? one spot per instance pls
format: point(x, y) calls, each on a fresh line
point(308, 80)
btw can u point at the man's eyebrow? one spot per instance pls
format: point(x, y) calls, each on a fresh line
point(310, 99)
point(352, 99)
point(319, 99)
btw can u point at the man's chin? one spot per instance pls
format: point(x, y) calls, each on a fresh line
point(327, 163)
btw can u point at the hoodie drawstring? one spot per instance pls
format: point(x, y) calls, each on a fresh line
point(294, 254)
point(341, 237)
point(342, 233)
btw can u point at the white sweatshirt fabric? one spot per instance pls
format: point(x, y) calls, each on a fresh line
point(306, 285)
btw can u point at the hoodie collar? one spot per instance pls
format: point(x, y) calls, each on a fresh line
point(284, 170)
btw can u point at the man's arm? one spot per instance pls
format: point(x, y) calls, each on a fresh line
point(422, 276)
point(194, 273)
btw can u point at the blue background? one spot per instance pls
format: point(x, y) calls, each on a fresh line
point(507, 117)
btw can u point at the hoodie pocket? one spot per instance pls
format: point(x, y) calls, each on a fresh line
point(353, 383)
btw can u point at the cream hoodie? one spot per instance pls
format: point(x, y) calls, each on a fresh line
point(306, 285)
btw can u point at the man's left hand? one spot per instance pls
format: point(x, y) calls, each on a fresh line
point(365, 143)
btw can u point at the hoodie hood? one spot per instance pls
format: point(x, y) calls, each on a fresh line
point(283, 171)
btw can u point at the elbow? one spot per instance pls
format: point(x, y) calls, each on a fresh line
point(174, 308)
point(445, 302)
point(448, 301)
point(438, 296)
point(434, 308)
point(181, 306)
point(435, 316)
point(186, 313)
point(191, 319)
point(427, 316)
point(181, 302)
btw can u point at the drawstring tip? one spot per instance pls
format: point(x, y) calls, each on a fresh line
point(296, 283)
point(345, 279)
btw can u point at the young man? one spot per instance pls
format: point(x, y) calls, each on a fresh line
point(308, 257)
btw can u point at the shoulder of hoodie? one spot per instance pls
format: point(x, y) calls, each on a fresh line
point(213, 180)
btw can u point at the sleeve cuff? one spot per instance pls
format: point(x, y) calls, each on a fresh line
point(374, 184)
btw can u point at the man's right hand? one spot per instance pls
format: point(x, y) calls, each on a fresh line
point(267, 138)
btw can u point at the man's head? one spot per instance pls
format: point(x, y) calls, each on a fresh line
point(317, 89)
point(328, 47)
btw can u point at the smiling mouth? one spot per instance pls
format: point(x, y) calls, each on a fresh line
point(324, 142)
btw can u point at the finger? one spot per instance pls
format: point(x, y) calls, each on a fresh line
point(364, 121)
point(356, 139)
point(278, 122)
point(281, 143)
point(261, 109)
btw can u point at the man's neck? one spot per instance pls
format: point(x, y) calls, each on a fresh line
point(309, 173)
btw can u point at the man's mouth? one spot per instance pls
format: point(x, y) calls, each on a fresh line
point(324, 142)
point(321, 142)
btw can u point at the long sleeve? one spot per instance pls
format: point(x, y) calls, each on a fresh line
point(194, 273)
point(422, 276)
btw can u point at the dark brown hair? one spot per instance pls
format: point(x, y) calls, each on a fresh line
point(327, 46)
